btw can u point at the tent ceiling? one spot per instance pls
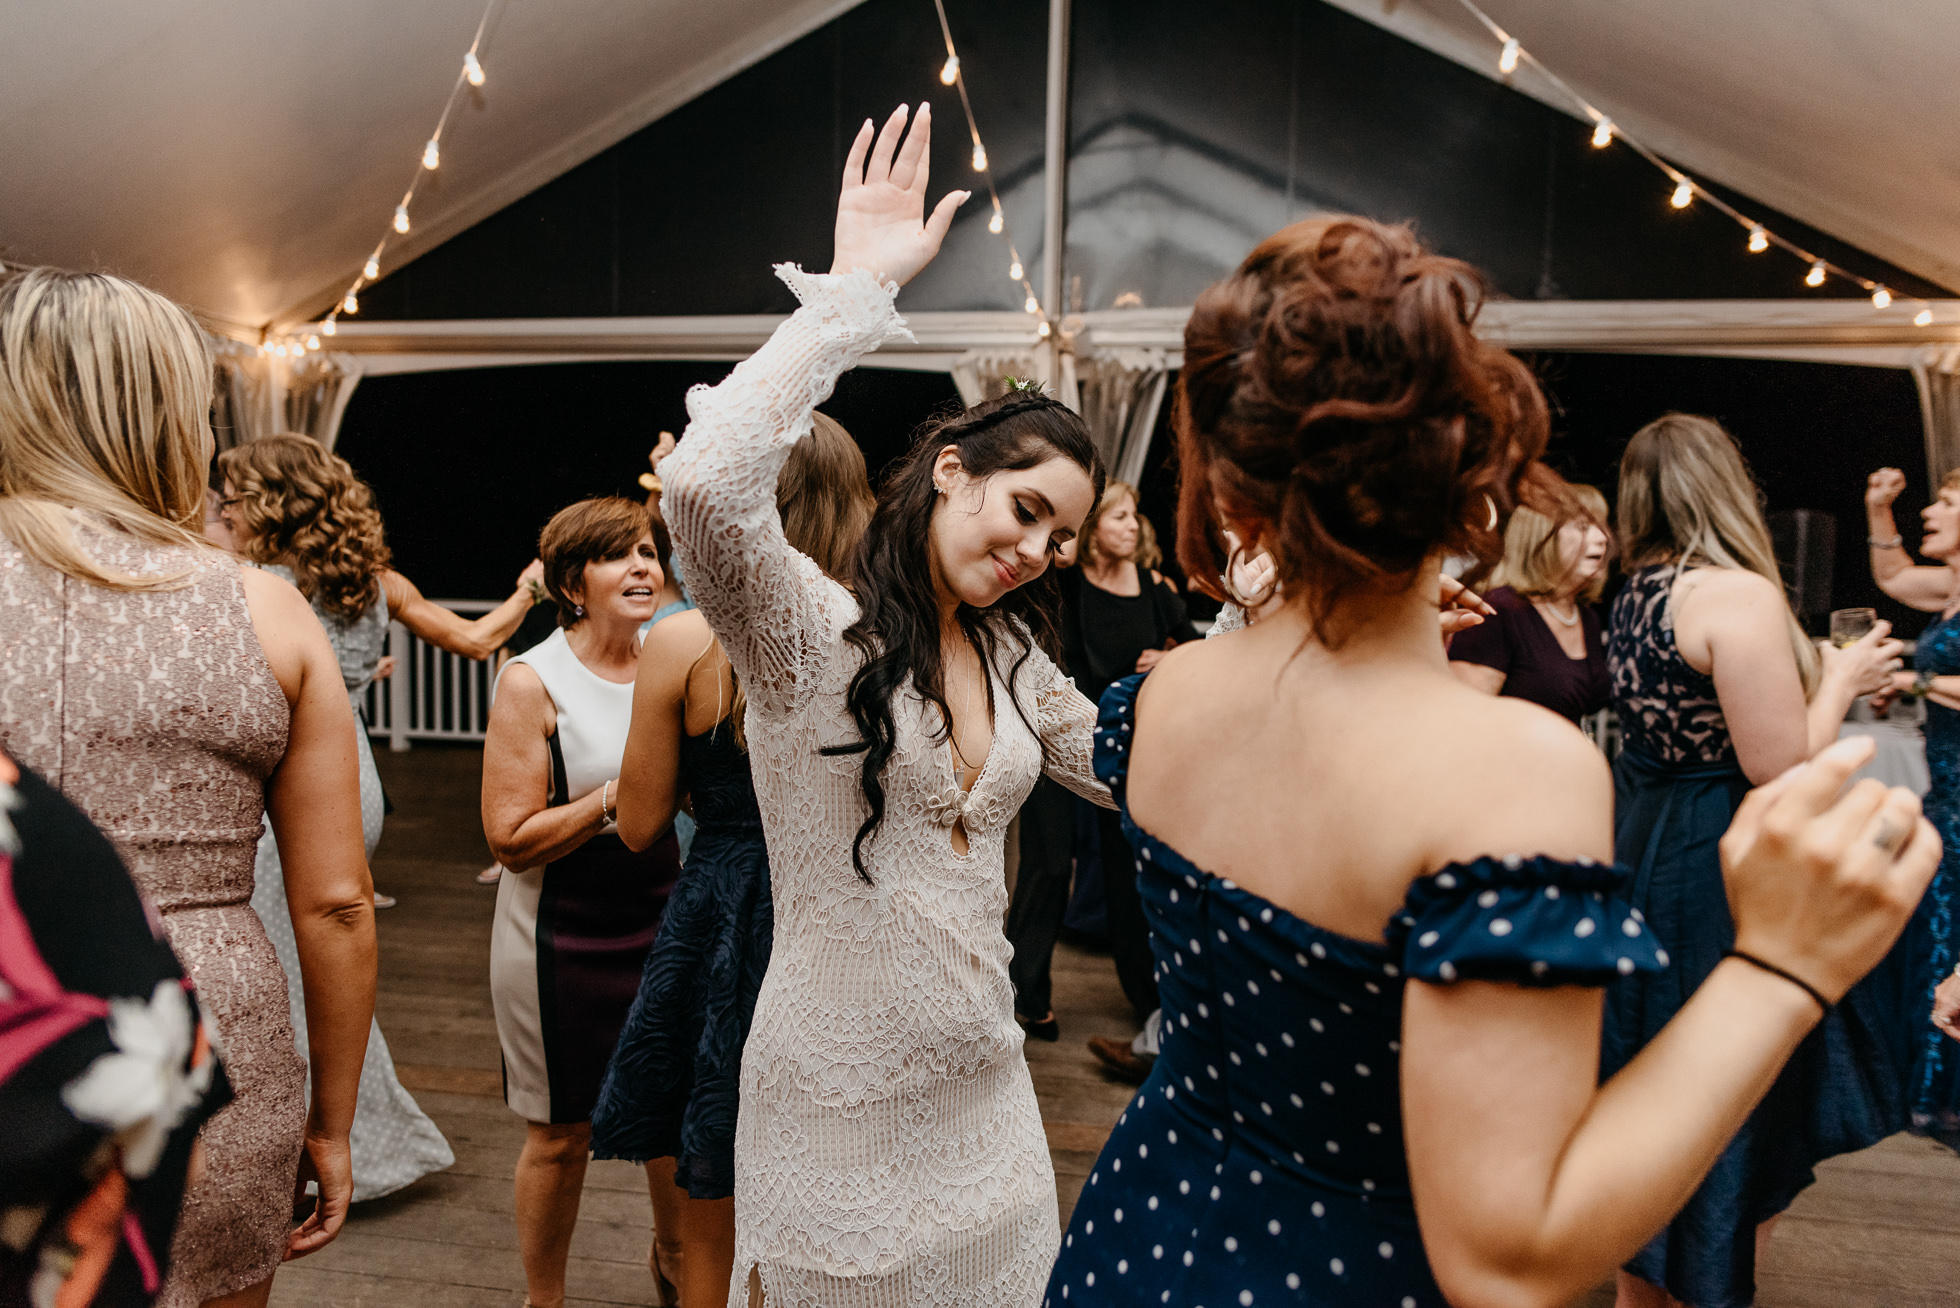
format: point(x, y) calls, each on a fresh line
point(1838, 112)
point(244, 155)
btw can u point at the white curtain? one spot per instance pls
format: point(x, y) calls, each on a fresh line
point(1121, 392)
point(258, 394)
point(1937, 370)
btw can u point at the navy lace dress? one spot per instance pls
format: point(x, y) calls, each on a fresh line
point(672, 1087)
point(1676, 788)
point(1263, 1161)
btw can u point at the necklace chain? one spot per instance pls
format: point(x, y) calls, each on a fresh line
point(1552, 609)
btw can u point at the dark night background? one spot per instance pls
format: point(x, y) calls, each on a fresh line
point(1195, 130)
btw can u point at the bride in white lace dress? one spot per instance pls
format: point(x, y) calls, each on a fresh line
point(889, 1153)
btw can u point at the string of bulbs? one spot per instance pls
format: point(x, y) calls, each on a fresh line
point(1687, 190)
point(950, 74)
point(470, 75)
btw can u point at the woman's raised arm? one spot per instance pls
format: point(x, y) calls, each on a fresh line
point(772, 607)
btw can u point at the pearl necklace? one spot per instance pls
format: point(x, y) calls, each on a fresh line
point(1572, 621)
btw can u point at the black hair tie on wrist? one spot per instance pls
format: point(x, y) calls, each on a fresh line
point(1791, 977)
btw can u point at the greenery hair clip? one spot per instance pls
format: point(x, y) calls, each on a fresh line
point(1024, 386)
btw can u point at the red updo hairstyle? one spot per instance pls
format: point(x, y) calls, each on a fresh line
point(1333, 388)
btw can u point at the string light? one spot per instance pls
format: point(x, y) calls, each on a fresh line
point(1042, 329)
point(372, 268)
point(327, 328)
point(431, 155)
point(472, 70)
point(950, 73)
point(401, 217)
point(1686, 190)
point(349, 305)
point(312, 342)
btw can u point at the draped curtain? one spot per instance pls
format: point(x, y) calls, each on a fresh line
point(258, 394)
point(1937, 370)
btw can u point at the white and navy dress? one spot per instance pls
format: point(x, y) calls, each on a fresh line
point(571, 937)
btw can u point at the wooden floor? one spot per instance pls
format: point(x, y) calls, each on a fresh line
point(1880, 1230)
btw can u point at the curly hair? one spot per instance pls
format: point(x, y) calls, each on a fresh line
point(1334, 389)
point(301, 505)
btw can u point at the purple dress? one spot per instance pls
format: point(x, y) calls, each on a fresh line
point(1519, 643)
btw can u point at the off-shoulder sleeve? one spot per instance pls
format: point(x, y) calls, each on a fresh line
point(772, 607)
point(1533, 921)
point(1066, 722)
point(1230, 618)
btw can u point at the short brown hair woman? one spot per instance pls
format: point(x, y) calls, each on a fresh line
point(577, 909)
point(1544, 643)
point(1382, 1082)
point(208, 699)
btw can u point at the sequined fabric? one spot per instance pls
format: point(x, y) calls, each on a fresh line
point(1934, 1066)
point(157, 715)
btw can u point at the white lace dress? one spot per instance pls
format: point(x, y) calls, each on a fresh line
point(888, 1152)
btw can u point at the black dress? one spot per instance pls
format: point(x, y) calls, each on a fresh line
point(1518, 643)
point(75, 939)
point(673, 1086)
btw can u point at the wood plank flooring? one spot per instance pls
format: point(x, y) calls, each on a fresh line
point(1880, 1229)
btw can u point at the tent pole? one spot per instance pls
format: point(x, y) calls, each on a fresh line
point(1055, 207)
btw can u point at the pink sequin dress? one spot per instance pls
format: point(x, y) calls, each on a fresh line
point(158, 716)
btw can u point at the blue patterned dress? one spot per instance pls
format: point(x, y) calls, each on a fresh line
point(1927, 952)
point(1263, 1160)
point(1676, 788)
point(673, 1086)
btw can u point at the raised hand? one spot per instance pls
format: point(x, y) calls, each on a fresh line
point(1821, 879)
point(1462, 607)
point(882, 225)
point(1882, 487)
point(1946, 1006)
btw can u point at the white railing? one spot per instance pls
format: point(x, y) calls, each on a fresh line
point(433, 694)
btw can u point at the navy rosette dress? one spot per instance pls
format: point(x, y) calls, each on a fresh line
point(1263, 1161)
point(673, 1086)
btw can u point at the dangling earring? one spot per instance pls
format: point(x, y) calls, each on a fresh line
point(578, 611)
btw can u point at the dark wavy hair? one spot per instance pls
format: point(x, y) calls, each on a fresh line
point(897, 630)
point(1333, 387)
point(303, 506)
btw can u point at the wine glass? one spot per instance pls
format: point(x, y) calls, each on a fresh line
point(1848, 626)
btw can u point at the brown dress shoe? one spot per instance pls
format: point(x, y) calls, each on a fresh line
point(1118, 1057)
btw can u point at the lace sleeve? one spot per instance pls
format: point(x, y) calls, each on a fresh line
point(773, 609)
point(1066, 721)
point(1230, 618)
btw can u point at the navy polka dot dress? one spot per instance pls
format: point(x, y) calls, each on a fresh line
point(1262, 1162)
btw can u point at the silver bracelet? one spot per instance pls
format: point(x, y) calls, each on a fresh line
point(1891, 543)
point(611, 818)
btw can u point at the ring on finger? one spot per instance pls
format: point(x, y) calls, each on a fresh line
point(1888, 836)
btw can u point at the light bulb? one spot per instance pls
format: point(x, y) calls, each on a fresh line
point(350, 304)
point(997, 224)
point(472, 69)
point(431, 155)
point(401, 218)
point(951, 72)
point(265, 347)
point(1880, 297)
point(1815, 277)
point(1014, 271)
point(1758, 239)
point(1684, 194)
point(312, 342)
point(1603, 133)
point(327, 328)
point(372, 268)
point(979, 157)
point(1033, 305)
point(1507, 62)
point(1924, 318)
point(279, 348)
point(1042, 329)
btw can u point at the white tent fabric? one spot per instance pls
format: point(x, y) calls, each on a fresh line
point(244, 155)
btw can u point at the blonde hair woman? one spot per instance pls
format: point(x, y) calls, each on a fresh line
point(1544, 643)
point(1717, 687)
point(207, 698)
